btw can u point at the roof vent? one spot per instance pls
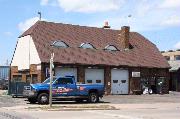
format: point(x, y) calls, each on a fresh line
point(106, 25)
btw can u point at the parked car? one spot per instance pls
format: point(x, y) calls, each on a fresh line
point(63, 88)
point(3, 84)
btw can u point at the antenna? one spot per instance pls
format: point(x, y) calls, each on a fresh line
point(39, 15)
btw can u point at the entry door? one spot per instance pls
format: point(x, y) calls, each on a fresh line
point(94, 76)
point(119, 81)
point(63, 71)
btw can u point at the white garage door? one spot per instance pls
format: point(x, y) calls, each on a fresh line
point(94, 76)
point(119, 81)
point(62, 71)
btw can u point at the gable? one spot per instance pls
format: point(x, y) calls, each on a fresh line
point(25, 53)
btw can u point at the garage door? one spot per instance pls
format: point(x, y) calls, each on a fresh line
point(119, 81)
point(62, 71)
point(94, 76)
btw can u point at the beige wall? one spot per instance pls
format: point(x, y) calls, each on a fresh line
point(171, 54)
point(25, 53)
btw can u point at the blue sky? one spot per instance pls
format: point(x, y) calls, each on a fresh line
point(157, 20)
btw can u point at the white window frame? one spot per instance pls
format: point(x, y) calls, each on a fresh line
point(87, 46)
point(61, 44)
point(111, 48)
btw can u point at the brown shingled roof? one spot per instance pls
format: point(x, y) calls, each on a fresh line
point(143, 54)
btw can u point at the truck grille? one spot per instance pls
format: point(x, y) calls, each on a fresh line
point(27, 87)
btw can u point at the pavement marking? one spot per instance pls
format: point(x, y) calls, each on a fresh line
point(8, 116)
point(115, 115)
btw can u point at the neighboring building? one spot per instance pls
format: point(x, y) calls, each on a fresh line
point(4, 72)
point(173, 57)
point(123, 61)
point(4, 76)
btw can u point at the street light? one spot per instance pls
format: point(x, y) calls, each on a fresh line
point(39, 15)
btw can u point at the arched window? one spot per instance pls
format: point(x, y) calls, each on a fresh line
point(111, 48)
point(59, 44)
point(87, 46)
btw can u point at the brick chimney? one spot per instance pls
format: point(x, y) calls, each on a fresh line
point(124, 37)
point(106, 25)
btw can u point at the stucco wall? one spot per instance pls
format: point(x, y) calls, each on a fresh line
point(25, 53)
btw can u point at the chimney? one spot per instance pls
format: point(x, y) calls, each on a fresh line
point(124, 37)
point(106, 25)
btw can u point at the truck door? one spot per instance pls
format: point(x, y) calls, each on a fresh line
point(64, 87)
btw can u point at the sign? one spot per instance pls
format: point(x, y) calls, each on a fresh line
point(47, 72)
point(136, 74)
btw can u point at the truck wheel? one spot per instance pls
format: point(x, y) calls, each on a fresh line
point(32, 100)
point(93, 97)
point(43, 98)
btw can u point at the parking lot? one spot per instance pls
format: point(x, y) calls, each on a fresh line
point(125, 107)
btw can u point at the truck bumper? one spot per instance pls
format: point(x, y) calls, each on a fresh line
point(29, 94)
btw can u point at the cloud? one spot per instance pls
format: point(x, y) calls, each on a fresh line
point(90, 6)
point(172, 21)
point(8, 33)
point(177, 45)
point(23, 26)
point(170, 4)
point(146, 14)
point(44, 2)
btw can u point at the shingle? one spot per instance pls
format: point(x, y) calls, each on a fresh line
point(144, 53)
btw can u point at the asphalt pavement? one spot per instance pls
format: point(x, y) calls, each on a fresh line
point(126, 107)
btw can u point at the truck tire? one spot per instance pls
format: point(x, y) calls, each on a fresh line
point(93, 97)
point(43, 98)
point(32, 100)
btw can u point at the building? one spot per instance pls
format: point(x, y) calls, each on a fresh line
point(173, 57)
point(4, 72)
point(4, 76)
point(123, 61)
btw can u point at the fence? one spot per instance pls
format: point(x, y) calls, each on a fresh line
point(16, 88)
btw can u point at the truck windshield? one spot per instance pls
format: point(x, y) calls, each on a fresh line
point(48, 80)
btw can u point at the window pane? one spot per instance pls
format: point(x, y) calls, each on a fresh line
point(177, 57)
point(65, 81)
point(167, 58)
point(60, 44)
point(89, 81)
point(115, 81)
point(98, 81)
point(111, 48)
point(123, 81)
point(87, 46)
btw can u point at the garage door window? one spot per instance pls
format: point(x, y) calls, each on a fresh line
point(115, 81)
point(123, 81)
point(98, 81)
point(89, 81)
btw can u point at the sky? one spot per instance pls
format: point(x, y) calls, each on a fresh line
point(157, 20)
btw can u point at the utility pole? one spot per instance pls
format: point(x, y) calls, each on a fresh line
point(51, 79)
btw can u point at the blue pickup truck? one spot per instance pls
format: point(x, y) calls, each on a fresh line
point(63, 88)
